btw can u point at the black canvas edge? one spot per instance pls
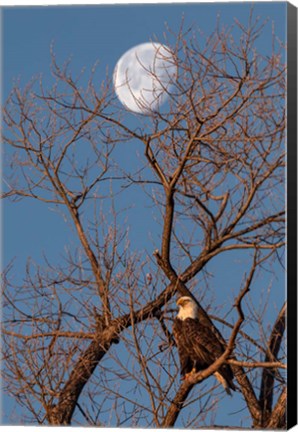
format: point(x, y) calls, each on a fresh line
point(292, 214)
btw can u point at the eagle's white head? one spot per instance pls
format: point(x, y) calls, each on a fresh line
point(187, 308)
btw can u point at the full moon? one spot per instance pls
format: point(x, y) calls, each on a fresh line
point(143, 76)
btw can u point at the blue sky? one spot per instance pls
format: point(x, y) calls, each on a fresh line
point(88, 35)
point(102, 33)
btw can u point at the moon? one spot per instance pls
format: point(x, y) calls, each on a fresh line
point(143, 77)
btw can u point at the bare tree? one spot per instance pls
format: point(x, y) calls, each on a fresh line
point(88, 341)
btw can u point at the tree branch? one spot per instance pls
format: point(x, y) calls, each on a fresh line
point(267, 383)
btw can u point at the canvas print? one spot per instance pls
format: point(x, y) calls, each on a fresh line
point(144, 190)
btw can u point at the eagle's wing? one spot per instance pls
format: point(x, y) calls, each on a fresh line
point(206, 340)
point(207, 348)
point(186, 363)
point(201, 342)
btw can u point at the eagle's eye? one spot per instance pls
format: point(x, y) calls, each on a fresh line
point(185, 303)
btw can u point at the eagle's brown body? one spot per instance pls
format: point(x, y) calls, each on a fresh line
point(198, 347)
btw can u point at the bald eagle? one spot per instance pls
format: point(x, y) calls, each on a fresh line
point(198, 347)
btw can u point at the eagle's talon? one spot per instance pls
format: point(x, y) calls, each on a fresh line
point(188, 375)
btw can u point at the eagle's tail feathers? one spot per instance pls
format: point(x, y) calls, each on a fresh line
point(223, 382)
